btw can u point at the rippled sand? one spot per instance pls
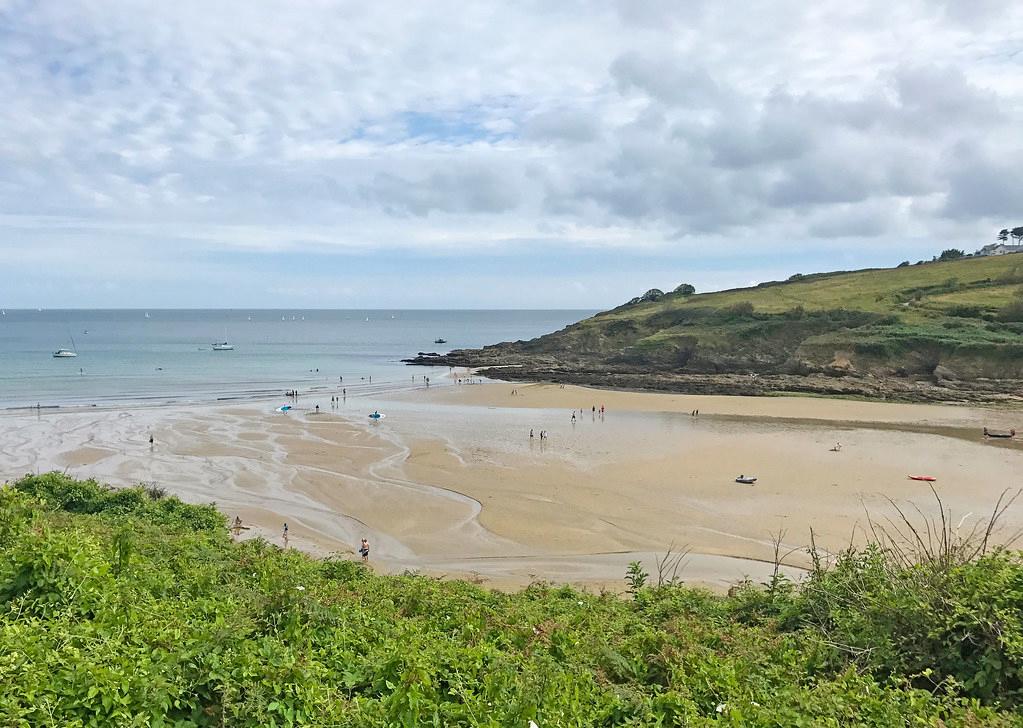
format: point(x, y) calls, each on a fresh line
point(450, 482)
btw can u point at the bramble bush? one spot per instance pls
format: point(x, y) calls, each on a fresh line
point(117, 610)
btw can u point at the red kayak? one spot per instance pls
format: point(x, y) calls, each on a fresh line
point(928, 478)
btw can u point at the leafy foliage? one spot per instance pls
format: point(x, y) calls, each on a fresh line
point(114, 612)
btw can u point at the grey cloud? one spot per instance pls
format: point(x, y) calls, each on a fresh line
point(984, 184)
point(568, 125)
point(668, 79)
point(464, 190)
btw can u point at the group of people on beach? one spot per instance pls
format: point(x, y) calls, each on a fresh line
point(237, 527)
point(593, 413)
point(543, 434)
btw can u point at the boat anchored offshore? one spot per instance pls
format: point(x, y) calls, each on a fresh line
point(67, 353)
point(746, 479)
point(223, 346)
point(440, 341)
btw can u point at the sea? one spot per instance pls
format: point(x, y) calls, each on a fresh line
point(166, 356)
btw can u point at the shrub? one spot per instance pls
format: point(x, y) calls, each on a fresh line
point(743, 309)
point(963, 311)
point(1013, 312)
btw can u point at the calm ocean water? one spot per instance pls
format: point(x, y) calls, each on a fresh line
point(123, 356)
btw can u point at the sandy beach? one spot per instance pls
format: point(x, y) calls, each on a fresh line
point(450, 483)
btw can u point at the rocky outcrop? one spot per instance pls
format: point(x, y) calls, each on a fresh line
point(907, 389)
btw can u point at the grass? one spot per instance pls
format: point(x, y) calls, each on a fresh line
point(907, 319)
point(116, 610)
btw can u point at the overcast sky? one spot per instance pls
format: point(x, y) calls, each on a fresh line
point(478, 155)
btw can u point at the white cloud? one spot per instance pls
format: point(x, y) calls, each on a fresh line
point(641, 125)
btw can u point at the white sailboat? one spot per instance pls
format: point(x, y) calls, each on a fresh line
point(67, 353)
point(222, 346)
point(147, 314)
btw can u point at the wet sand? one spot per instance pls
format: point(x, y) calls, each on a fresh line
point(450, 483)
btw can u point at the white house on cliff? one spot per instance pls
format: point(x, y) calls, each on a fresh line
point(1000, 249)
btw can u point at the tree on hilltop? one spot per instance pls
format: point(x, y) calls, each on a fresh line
point(1017, 234)
point(1003, 235)
point(951, 254)
point(686, 289)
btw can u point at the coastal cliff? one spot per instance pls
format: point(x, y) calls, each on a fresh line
point(941, 331)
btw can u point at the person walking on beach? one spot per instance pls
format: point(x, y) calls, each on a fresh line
point(530, 433)
point(364, 550)
point(285, 535)
point(573, 417)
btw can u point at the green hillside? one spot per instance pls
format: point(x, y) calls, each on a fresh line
point(950, 321)
point(128, 608)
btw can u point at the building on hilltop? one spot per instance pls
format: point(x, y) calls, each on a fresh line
point(1000, 249)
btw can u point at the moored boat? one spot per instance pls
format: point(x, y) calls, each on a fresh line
point(1002, 434)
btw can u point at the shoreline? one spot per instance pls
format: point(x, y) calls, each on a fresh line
point(1007, 392)
point(450, 485)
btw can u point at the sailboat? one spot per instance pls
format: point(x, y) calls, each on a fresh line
point(67, 353)
point(147, 314)
point(223, 345)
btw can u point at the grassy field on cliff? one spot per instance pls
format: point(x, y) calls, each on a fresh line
point(965, 315)
point(129, 608)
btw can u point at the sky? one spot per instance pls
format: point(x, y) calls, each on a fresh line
point(534, 154)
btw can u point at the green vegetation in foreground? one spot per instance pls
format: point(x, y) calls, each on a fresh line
point(126, 608)
point(964, 314)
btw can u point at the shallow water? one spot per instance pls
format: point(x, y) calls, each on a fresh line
point(124, 357)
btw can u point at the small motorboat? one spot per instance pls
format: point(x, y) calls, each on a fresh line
point(1001, 434)
point(222, 346)
point(925, 478)
point(746, 479)
point(440, 341)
